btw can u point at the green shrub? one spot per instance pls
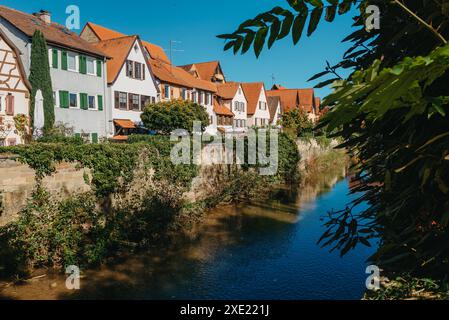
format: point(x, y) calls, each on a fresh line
point(165, 117)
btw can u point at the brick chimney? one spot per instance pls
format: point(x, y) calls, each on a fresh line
point(44, 15)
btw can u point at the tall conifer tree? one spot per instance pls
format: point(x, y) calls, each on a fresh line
point(40, 79)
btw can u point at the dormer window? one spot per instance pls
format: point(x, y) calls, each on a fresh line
point(129, 68)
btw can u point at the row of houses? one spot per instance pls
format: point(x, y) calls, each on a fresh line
point(102, 80)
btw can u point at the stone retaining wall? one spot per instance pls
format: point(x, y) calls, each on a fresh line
point(17, 182)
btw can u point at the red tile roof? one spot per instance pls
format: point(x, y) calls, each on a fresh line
point(206, 70)
point(295, 98)
point(228, 90)
point(252, 93)
point(177, 76)
point(125, 123)
point(54, 33)
point(307, 99)
point(118, 49)
point(103, 33)
point(278, 87)
point(159, 63)
point(289, 98)
point(221, 110)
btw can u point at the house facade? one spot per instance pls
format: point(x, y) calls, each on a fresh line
point(274, 105)
point(77, 69)
point(231, 96)
point(257, 111)
point(14, 93)
point(172, 82)
point(207, 71)
point(131, 85)
point(303, 99)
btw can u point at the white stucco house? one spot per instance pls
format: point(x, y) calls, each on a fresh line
point(258, 112)
point(231, 95)
point(131, 84)
point(77, 70)
point(14, 93)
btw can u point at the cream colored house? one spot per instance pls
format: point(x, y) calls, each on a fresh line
point(14, 93)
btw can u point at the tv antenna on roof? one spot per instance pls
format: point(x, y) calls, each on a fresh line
point(273, 78)
point(172, 49)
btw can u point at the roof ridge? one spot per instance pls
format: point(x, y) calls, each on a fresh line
point(119, 38)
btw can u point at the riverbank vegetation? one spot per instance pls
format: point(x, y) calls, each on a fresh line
point(137, 200)
point(392, 114)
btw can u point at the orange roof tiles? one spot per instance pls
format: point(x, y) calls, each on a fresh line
point(175, 75)
point(125, 123)
point(206, 70)
point(295, 98)
point(159, 63)
point(54, 33)
point(228, 90)
point(307, 99)
point(278, 87)
point(289, 98)
point(118, 49)
point(221, 110)
point(103, 33)
point(252, 93)
point(156, 52)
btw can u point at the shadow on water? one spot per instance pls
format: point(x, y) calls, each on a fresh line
point(262, 250)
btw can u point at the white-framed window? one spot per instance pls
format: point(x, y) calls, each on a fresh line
point(135, 102)
point(73, 100)
point(167, 91)
point(138, 70)
point(72, 61)
point(123, 100)
point(91, 66)
point(92, 102)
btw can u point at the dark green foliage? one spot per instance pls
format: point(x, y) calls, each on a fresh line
point(165, 117)
point(40, 79)
point(296, 123)
point(280, 22)
point(392, 114)
point(84, 230)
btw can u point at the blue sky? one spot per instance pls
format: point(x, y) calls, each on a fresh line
point(196, 23)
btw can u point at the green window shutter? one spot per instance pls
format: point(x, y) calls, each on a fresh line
point(64, 62)
point(100, 103)
point(55, 62)
point(83, 100)
point(83, 64)
point(63, 99)
point(99, 68)
point(77, 135)
point(94, 137)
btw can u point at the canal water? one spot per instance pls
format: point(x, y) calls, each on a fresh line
point(263, 250)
